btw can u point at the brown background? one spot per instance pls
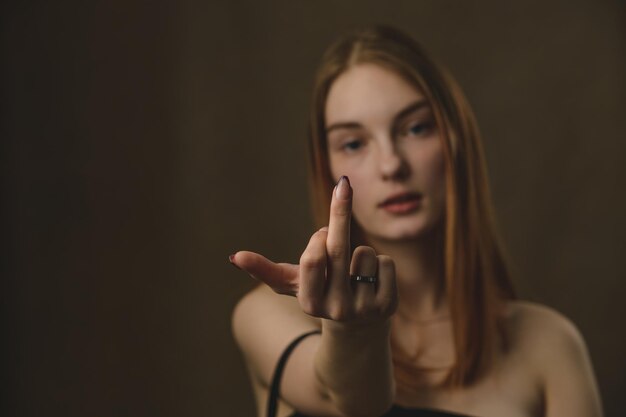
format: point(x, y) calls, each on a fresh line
point(143, 142)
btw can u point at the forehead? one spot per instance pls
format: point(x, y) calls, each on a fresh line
point(368, 92)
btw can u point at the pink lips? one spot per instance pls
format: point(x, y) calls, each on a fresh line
point(401, 203)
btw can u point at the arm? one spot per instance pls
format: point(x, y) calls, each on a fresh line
point(363, 352)
point(363, 384)
point(264, 323)
point(348, 369)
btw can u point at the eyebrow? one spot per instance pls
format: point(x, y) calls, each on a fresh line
point(401, 114)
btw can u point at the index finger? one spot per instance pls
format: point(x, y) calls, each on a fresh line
point(338, 240)
point(281, 277)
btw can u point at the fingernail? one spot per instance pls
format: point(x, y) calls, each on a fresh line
point(231, 259)
point(343, 190)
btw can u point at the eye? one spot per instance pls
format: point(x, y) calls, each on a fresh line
point(418, 129)
point(352, 145)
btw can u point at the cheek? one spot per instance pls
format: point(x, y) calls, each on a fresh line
point(354, 169)
point(337, 168)
point(438, 169)
point(436, 180)
point(430, 167)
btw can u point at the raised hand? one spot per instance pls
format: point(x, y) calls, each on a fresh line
point(329, 282)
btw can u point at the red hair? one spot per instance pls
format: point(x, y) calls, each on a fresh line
point(477, 280)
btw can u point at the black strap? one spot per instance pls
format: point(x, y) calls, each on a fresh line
point(272, 401)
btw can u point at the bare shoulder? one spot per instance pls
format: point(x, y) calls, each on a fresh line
point(263, 306)
point(263, 324)
point(540, 318)
point(552, 348)
point(540, 326)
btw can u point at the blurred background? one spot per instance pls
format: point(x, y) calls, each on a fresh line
point(145, 141)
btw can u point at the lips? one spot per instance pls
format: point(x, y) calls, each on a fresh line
point(402, 203)
point(400, 198)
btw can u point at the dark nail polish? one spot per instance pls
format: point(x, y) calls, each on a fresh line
point(230, 259)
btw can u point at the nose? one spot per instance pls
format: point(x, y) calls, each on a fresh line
point(393, 165)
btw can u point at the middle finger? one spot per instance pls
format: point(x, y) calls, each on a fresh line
point(338, 239)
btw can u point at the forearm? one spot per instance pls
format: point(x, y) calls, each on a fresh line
point(354, 367)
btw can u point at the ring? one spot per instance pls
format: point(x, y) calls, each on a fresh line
point(364, 278)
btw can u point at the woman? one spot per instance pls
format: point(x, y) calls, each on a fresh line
point(402, 303)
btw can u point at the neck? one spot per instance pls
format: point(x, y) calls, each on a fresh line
point(419, 274)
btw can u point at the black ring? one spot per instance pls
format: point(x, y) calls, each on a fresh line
point(364, 278)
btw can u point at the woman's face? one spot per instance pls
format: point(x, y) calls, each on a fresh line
point(381, 134)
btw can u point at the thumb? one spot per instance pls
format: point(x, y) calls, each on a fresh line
point(281, 277)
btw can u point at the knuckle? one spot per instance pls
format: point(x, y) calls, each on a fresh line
point(311, 307)
point(364, 251)
point(339, 312)
point(388, 306)
point(322, 231)
point(386, 262)
point(362, 309)
point(336, 253)
point(311, 262)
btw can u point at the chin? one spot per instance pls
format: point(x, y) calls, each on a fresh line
point(405, 231)
point(410, 235)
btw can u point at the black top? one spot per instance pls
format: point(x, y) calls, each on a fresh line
point(395, 411)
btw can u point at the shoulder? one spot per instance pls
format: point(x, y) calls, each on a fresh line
point(551, 348)
point(538, 317)
point(263, 324)
point(530, 322)
point(549, 343)
point(262, 306)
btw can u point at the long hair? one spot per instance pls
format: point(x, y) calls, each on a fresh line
point(477, 280)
